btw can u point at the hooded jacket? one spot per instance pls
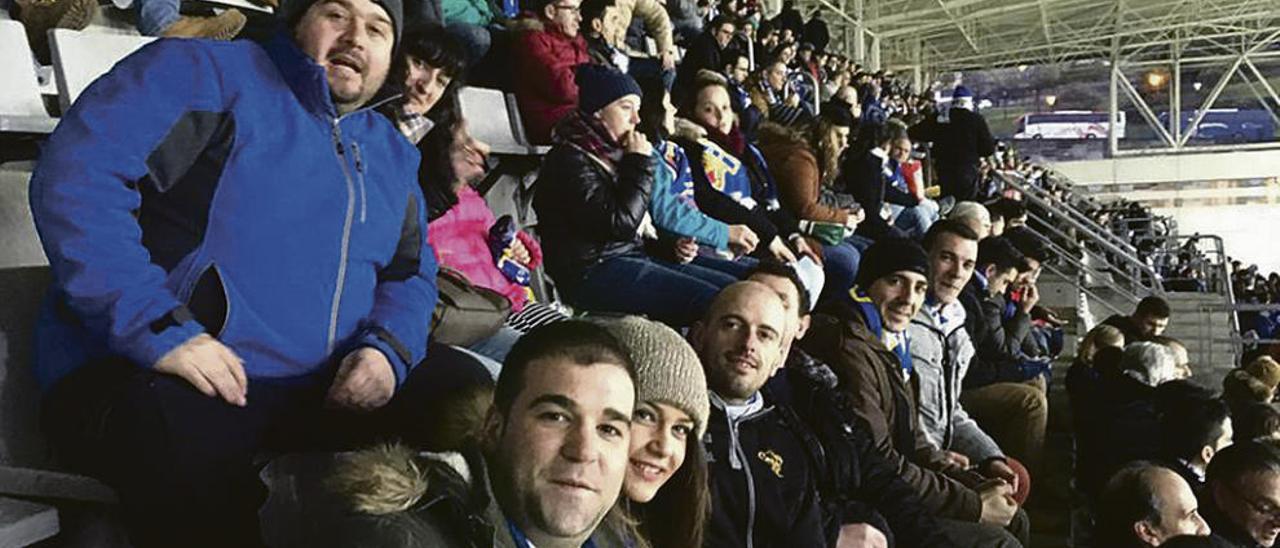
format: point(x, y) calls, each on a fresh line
point(544, 60)
point(996, 341)
point(762, 478)
point(210, 187)
point(941, 352)
point(799, 177)
point(872, 376)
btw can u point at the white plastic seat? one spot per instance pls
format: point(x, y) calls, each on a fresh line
point(492, 117)
point(79, 58)
point(21, 109)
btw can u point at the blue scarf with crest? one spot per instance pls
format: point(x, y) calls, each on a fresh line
point(898, 343)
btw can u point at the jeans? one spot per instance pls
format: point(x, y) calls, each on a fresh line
point(498, 345)
point(916, 220)
point(154, 16)
point(475, 41)
point(636, 284)
point(841, 263)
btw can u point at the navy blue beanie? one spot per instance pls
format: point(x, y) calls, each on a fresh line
point(599, 85)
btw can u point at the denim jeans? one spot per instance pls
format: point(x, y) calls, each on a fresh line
point(841, 265)
point(154, 16)
point(497, 345)
point(915, 221)
point(636, 284)
point(475, 40)
point(648, 67)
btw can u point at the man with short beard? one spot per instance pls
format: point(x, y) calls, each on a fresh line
point(239, 254)
point(864, 340)
point(763, 490)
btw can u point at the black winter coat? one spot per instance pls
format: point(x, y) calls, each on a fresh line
point(586, 214)
point(863, 177)
point(762, 474)
point(957, 147)
point(995, 341)
point(857, 484)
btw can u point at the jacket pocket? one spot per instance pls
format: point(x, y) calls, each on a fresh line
point(209, 302)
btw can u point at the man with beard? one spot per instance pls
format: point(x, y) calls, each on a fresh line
point(239, 251)
point(865, 342)
point(763, 488)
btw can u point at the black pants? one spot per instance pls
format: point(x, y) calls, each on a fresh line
point(960, 182)
point(184, 464)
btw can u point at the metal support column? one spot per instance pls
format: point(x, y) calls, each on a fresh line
point(1175, 89)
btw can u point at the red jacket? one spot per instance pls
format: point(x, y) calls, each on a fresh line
point(544, 61)
point(460, 238)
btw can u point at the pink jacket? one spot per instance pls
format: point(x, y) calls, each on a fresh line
point(460, 238)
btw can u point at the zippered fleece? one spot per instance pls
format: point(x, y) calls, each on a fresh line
point(212, 187)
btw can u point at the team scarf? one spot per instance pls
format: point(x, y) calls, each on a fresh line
point(898, 343)
point(588, 134)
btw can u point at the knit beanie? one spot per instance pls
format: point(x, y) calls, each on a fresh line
point(838, 113)
point(667, 368)
point(1265, 369)
point(891, 255)
point(962, 92)
point(293, 10)
point(599, 85)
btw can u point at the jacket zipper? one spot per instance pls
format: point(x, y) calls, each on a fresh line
point(346, 238)
point(738, 459)
point(364, 200)
point(946, 385)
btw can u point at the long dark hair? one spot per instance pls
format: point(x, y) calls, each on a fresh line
point(652, 111)
point(677, 514)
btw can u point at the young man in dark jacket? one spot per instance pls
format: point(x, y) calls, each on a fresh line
point(995, 390)
point(859, 489)
point(865, 343)
point(763, 485)
point(234, 244)
point(960, 141)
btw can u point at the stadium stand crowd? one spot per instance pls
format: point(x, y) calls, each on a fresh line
point(770, 298)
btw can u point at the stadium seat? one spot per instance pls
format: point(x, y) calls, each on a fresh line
point(492, 117)
point(79, 58)
point(21, 109)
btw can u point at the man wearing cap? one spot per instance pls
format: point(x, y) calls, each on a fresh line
point(960, 139)
point(237, 242)
point(866, 343)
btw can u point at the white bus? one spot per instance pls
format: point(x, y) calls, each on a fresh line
point(1067, 124)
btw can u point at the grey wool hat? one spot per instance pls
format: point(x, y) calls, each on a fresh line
point(667, 368)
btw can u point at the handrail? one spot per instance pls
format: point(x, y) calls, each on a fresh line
point(1099, 237)
point(1071, 212)
point(1080, 264)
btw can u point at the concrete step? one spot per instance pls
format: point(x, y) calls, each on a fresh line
point(24, 523)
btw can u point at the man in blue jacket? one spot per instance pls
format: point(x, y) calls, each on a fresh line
point(239, 253)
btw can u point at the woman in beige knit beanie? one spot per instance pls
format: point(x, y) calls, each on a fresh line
point(666, 481)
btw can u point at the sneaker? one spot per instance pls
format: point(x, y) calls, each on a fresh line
point(223, 26)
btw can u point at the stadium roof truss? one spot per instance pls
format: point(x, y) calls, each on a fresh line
point(945, 35)
point(1131, 37)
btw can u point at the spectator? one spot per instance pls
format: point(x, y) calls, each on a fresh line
point(1243, 484)
point(657, 25)
point(473, 23)
point(771, 497)
point(705, 53)
point(1082, 377)
point(960, 138)
point(1148, 320)
point(666, 481)
point(816, 33)
point(685, 22)
point(973, 215)
point(737, 70)
point(430, 67)
point(593, 193)
point(547, 49)
point(1181, 358)
point(941, 351)
point(914, 220)
point(804, 188)
point(1255, 421)
point(1255, 382)
point(554, 458)
point(732, 182)
point(775, 98)
point(600, 17)
point(996, 392)
point(1192, 431)
point(790, 21)
point(673, 206)
point(865, 343)
point(860, 489)
point(1146, 505)
point(867, 176)
point(174, 368)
